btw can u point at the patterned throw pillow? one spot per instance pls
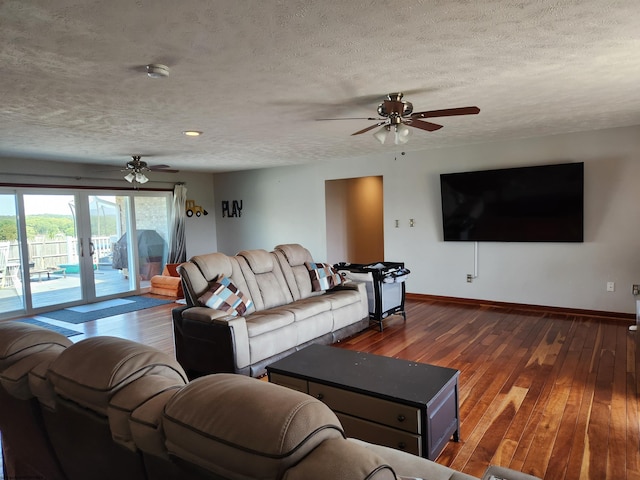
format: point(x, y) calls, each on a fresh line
point(323, 276)
point(224, 295)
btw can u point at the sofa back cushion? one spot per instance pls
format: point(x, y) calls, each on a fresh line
point(292, 258)
point(239, 427)
point(19, 340)
point(265, 281)
point(201, 272)
point(91, 371)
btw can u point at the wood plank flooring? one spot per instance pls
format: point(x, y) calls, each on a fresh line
point(552, 394)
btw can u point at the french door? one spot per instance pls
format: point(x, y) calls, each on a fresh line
point(70, 247)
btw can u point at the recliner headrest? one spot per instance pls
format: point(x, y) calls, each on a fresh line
point(241, 427)
point(91, 371)
point(295, 254)
point(260, 261)
point(18, 340)
point(212, 265)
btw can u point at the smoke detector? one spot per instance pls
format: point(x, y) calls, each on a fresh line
point(157, 70)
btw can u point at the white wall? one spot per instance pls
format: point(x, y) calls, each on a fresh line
point(200, 231)
point(283, 205)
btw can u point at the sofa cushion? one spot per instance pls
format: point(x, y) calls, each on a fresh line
point(291, 258)
point(309, 307)
point(225, 296)
point(268, 320)
point(266, 284)
point(323, 276)
point(261, 431)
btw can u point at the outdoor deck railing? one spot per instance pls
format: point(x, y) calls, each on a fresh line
point(52, 252)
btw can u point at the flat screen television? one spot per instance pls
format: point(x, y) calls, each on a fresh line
point(525, 204)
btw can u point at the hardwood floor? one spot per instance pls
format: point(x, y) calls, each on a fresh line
point(552, 394)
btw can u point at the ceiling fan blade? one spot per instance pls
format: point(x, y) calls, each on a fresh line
point(371, 127)
point(447, 112)
point(163, 168)
point(350, 118)
point(428, 126)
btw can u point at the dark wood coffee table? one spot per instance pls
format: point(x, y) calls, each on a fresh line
point(405, 405)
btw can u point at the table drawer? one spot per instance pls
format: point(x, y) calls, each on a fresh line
point(389, 413)
point(290, 382)
point(380, 434)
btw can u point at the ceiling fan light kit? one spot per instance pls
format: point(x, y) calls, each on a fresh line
point(141, 178)
point(401, 134)
point(135, 169)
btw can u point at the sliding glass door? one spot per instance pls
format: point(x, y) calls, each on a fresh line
point(110, 246)
point(49, 272)
point(11, 299)
point(60, 248)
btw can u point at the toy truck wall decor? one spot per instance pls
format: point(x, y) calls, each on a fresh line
point(192, 209)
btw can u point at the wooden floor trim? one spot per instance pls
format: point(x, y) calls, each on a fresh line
point(618, 316)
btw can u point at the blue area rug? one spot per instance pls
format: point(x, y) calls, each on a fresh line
point(64, 331)
point(128, 304)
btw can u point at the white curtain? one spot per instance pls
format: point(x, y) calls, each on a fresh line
point(177, 245)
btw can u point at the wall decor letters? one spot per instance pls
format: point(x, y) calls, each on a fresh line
point(235, 210)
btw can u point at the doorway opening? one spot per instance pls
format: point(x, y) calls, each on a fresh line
point(355, 220)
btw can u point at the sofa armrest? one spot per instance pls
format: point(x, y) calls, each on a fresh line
point(349, 285)
point(353, 285)
point(205, 314)
point(235, 329)
point(361, 287)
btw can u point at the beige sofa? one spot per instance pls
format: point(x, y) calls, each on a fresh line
point(285, 314)
point(107, 408)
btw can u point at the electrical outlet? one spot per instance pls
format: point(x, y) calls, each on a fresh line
point(469, 278)
point(611, 287)
point(635, 289)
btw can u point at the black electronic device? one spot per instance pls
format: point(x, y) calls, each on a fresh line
point(543, 203)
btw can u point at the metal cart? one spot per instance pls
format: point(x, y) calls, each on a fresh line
point(385, 287)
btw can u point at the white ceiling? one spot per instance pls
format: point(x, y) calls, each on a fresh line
point(255, 75)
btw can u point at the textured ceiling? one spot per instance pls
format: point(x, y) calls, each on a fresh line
point(255, 75)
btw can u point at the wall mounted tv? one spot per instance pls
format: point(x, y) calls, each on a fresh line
point(525, 204)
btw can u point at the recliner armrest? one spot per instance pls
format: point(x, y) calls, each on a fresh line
point(206, 315)
point(237, 324)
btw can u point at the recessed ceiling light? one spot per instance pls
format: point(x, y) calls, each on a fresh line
point(192, 133)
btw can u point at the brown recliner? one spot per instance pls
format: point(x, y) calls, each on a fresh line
point(113, 408)
point(89, 421)
point(28, 452)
